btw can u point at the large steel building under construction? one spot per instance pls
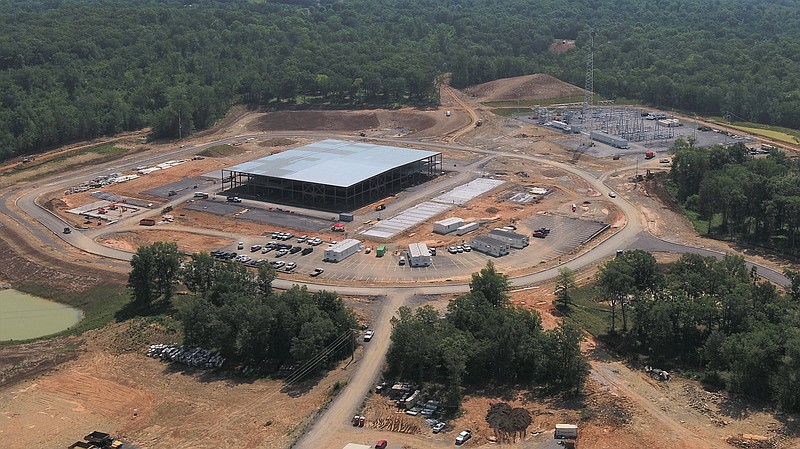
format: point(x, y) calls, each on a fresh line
point(332, 175)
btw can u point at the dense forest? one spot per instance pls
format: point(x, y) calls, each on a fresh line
point(741, 197)
point(713, 317)
point(484, 340)
point(236, 312)
point(73, 69)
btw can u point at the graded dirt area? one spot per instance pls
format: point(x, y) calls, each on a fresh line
point(112, 385)
point(529, 87)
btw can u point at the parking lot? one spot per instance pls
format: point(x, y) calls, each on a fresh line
point(284, 219)
point(566, 234)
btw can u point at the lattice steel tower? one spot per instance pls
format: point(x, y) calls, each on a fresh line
point(589, 87)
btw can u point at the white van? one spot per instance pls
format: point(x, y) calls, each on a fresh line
point(402, 260)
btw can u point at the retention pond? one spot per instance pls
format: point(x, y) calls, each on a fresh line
point(23, 316)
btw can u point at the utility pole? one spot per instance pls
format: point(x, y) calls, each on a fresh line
point(588, 98)
point(180, 126)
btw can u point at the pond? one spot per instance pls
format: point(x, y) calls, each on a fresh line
point(23, 316)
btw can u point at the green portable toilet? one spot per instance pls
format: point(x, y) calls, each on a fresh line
point(380, 251)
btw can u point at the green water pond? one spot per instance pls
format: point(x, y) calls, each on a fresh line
point(23, 316)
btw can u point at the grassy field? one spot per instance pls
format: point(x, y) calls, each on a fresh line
point(589, 314)
point(778, 133)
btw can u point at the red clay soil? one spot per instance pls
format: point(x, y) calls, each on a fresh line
point(529, 87)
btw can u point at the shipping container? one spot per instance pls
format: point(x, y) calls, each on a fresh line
point(380, 251)
point(608, 139)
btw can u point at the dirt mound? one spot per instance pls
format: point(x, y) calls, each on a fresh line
point(413, 121)
point(529, 87)
point(315, 120)
point(276, 142)
point(559, 47)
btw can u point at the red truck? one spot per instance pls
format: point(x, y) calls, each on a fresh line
point(650, 155)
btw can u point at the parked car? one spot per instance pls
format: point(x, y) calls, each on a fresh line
point(302, 238)
point(402, 260)
point(432, 251)
point(282, 253)
point(307, 250)
point(463, 437)
point(240, 246)
point(277, 264)
point(612, 194)
point(368, 250)
point(459, 249)
point(255, 248)
point(368, 335)
point(316, 272)
point(438, 427)
point(295, 250)
point(381, 444)
point(290, 266)
point(452, 250)
point(467, 248)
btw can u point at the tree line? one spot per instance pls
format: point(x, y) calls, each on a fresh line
point(483, 340)
point(74, 69)
point(745, 198)
point(708, 315)
point(236, 312)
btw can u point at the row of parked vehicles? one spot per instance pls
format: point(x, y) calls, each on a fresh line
point(197, 357)
point(459, 249)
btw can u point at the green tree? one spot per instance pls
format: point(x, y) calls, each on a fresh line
point(492, 284)
point(141, 279)
point(198, 273)
point(565, 281)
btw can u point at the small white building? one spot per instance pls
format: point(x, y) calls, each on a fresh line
point(514, 239)
point(489, 245)
point(447, 225)
point(342, 250)
point(419, 255)
point(464, 229)
point(566, 431)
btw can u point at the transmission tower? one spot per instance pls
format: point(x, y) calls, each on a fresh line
point(589, 87)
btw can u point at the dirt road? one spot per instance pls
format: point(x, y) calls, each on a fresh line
point(341, 411)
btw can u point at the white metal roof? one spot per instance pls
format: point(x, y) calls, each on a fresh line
point(418, 249)
point(344, 245)
point(450, 221)
point(333, 162)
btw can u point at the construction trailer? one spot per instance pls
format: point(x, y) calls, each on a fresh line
point(447, 225)
point(467, 228)
point(567, 431)
point(419, 255)
point(489, 245)
point(514, 239)
point(342, 250)
point(608, 139)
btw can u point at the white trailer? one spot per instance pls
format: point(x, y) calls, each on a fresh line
point(469, 227)
point(514, 239)
point(608, 139)
point(447, 225)
point(566, 431)
point(419, 255)
point(489, 245)
point(342, 250)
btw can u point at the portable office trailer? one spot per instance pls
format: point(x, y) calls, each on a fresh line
point(342, 250)
point(566, 431)
point(419, 255)
point(469, 227)
point(518, 241)
point(447, 225)
point(614, 141)
point(489, 245)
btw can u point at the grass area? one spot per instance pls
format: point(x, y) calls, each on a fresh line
point(66, 161)
point(221, 151)
point(779, 133)
point(99, 304)
point(591, 315)
point(531, 103)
